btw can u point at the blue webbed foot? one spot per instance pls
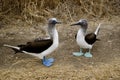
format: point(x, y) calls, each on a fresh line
point(77, 53)
point(88, 54)
point(47, 62)
point(50, 59)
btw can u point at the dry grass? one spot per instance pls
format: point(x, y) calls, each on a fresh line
point(57, 72)
point(40, 10)
point(100, 72)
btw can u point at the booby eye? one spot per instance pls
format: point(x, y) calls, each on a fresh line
point(54, 22)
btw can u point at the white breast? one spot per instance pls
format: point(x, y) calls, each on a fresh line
point(81, 40)
point(53, 46)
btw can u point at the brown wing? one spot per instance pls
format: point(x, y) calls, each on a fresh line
point(90, 38)
point(36, 47)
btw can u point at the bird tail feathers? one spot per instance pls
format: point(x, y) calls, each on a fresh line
point(97, 30)
point(9, 46)
point(16, 49)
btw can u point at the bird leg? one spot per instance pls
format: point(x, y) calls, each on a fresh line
point(47, 62)
point(88, 54)
point(78, 53)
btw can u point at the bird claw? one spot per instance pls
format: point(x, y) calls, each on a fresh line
point(77, 53)
point(48, 62)
point(88, 54)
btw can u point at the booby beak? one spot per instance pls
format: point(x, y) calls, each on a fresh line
point(54, 22)
point(78, 23)
point(58, 22)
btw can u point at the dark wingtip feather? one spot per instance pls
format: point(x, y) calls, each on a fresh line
point(16, 50)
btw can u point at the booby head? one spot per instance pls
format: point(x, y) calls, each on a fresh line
point(51, 26)
point(81, 22)
point(53, 21)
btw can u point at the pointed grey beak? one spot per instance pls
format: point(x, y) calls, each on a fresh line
point(58, 22)
point(78, 23)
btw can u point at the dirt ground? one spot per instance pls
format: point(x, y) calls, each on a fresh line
point(104, 65)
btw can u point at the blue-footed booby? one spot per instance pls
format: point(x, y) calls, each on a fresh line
point(43, 47)
point(84, 40)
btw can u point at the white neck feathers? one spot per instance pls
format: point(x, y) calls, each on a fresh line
point(54, 35)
